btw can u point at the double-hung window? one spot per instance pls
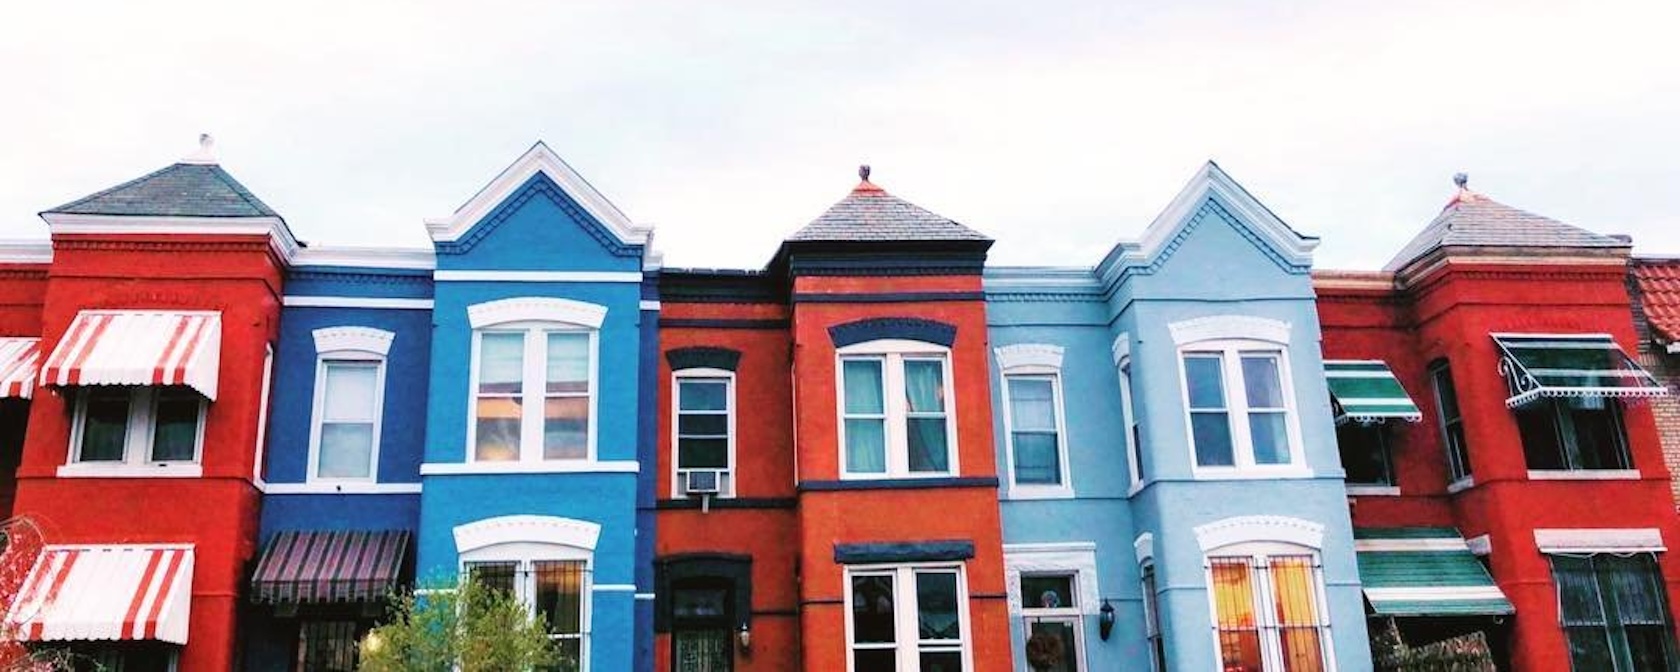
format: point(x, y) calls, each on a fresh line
point(1033, 421)
point(128, 425)
point(556, 593)
point(1614, 611)
point(1134, 432)
point(897, 419)
point(705, 432)
point(1574, 433)
point(1239, 406)
point(1268, 609)
point(1365, 453)
point(907, 619)
point(1152, 621)
point(1051, 612)
point(533, 393)
point(1452, 422)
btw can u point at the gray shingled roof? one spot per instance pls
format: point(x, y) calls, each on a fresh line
point(1474, 220)
point(869, 213)
point(180, 190)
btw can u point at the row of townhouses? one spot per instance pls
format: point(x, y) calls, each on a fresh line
point(875, 453)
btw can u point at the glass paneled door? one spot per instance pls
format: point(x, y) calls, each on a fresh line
point(701, 629)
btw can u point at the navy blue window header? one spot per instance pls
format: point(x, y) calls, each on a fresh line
point(907, 328)
point(909, 551)
point(703, 358)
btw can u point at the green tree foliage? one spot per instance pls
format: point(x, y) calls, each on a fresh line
point(480, 628)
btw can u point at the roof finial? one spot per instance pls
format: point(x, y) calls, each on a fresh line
point(1462, 180)
point(206, 154)
point(863, 172)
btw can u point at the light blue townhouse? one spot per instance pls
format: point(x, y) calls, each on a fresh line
point(341, 465)
point(1172, 492)
point(534, 434)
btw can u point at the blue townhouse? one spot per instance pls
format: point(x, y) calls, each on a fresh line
point(341, 465)
point(533, 427)
point(1172, 492)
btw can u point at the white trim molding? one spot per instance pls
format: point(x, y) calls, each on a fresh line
point(1373, 490)
point(536, 309)
point(279, 237)
point(537, 276)
point(1144, 547)
point(343, 488)
point(355, 302)
point(1121, 348)
point(1600, 540)
point(1078, 558)
point(648, 305)
point(1229, 327)
point(1210, 180)
point(26, 252)
point(533, 467)
point(353, 339)
point(1039, 356)
point(367, 257)
point(526, 529)
point(1583, 474)
point(1243, 529)
point(538, 159)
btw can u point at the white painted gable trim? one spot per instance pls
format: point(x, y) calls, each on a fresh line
point(536, 309)
point(355, 339)
point(1244, 529)
point(1211, 180)
point(1079, 558)
point(539, 159)
point(1029, 356)
point(1224, 327)
point(526, 529)
point(1600, 540)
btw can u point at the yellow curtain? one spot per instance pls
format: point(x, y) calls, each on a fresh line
point(1295, 584)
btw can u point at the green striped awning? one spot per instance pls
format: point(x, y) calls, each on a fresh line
point(1570, 365)
point(1424, 571)
point(1366, 391)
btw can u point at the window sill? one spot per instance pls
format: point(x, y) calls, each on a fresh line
point(1031, 492)
point(1583, 474)
point(342, 488)
point(1461, 485)
point(1373, 490)
point(1250, 474)
point(550, 467)
point(124, 470)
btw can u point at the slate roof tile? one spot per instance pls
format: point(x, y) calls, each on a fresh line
point(179, 190)
point(869, 213)
point(1474, 220)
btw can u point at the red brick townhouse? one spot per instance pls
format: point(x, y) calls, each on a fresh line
point(1655, 283)
point(137, 347)
point(827, 488)
point(1504, 466)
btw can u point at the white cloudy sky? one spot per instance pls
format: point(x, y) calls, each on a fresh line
point(1056, 128)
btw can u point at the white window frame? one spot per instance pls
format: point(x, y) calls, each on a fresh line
point(727, 377)
point(906, 634)
point(1231, 352)
point(532, 381)
point(1130, 427)
point(525, 557)
point(893, 353)
point(1072, 614)
point(1149, 579)
point(137, 442)
point(1256, 554)
point(526, 540)
point(324, 360)
point(1035, 362)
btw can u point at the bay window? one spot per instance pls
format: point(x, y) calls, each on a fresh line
point(907, 619)
point(533, 393)
point(896, 419)
point(1576, 433)
point(1240, 410)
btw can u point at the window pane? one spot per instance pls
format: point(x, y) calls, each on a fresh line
point(928, 450)
point(1212, 433)
point(568, 363)
point(1046, 592)
point(1206, 379)
point(1578, 599)
point(1296, 601)
point(1364, 450)
point(1032, 404)
point(501, 363)
point(866, 446)
point(702, 453)
point(326, 646)
point(566, 428)
point(936, 606)
point(875, 660)
point(1270, 434)
point(346, 450)
point(559, 596)
point(350, 391)
point(941, 661)
point(1445, 394)
point(175, 425)
point(105, 427)
point(1036, 459)
point(863, 386)
point(924, 385)
point(493, 575)
point(1537, 425)
point(497, 434)
point(1598, 433)
point(1261, 381)
point(1233, 594)
point(1061, 631)
point(707, 424)
point(1635, 587)
point(702, 395)
point(872, 609)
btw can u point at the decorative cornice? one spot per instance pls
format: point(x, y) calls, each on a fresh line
point(1029, 356)
point(703, 357)
point(527, 529)
point(80, 244)
point(367, 257)
point(907, 328)
point(354, 339)
point(373, 278)
point(1244, 529)
point(536, 309)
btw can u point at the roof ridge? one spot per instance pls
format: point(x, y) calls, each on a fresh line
point(226, 178)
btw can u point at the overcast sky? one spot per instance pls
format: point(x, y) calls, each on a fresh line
point(1056, 128)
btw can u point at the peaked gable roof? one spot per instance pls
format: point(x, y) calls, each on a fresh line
point(538, 159)
point(180, 190)
point(870, 214)
point(1474, 220)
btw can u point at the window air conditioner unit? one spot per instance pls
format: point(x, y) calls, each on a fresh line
point(702, 482)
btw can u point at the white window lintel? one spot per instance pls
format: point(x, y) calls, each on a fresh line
point(536, 309)
point(351, 339)
point(1229, 327)
point(551, 530)
point(1245, 529)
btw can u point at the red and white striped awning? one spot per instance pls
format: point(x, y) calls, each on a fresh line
point(118, 592)
point(20, 361)
point(138, 347)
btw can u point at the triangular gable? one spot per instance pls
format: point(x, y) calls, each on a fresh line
point(538, 160)
point(1256, 222)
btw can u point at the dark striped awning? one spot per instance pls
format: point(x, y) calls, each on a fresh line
point(328, 566)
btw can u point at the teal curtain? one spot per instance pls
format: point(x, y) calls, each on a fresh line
point(924, 390)
point(866, 441)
